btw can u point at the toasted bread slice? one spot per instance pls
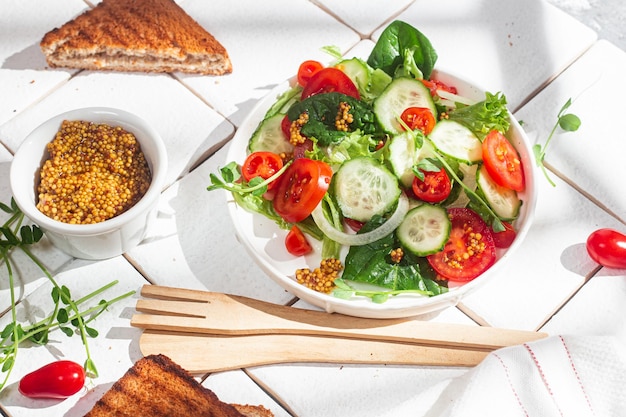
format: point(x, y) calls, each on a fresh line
point(136, 35)
point(156, 386)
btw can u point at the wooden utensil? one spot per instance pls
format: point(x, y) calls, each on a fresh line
point(202, 353)
point(191, 311)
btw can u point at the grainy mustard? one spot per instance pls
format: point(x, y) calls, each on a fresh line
point(94, 172)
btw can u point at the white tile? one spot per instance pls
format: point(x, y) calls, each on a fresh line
point(113, 351)
point(266, 42)
point(591, 157)
point(189, 128)
point(364, 16)
point(550, 264)
point(205, 253)
point(509, 46)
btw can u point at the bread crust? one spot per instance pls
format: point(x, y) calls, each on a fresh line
point(136, 35)
point(156, 386)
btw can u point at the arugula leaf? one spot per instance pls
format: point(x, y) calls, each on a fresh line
point(402, 49)
point(322, 110)
point(484, 116)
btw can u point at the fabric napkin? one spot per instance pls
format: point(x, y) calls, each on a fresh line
point(556, 376)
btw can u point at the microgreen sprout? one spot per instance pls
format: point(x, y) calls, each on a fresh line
point(66, 316)
point(566, 121)
point(232, 181)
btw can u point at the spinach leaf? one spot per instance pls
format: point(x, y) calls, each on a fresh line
point(402, 49)
point(372, 264)
point(322, 110)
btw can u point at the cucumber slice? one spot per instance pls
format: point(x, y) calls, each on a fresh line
point(269, 137)
point(358, 71)
point(425, 229)
point(399, 95)
point(363, 188)
point(457, 141)
point(402, 156)
point(503, 201)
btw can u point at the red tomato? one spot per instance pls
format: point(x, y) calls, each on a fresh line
point(330, 80)
point(285, 126)
point(470, 250)
point(434, 85)
point(300, 189)
point(434, 188)
point(261, 164)
point(419, 118)
point(353, 224)
point(296, 242)
point(300, 150)
point(58, 380)
point(502, 161)
point(608, 248)
point(505, 238)
point(306, 70)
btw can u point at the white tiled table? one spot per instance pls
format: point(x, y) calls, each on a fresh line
point(515, 47)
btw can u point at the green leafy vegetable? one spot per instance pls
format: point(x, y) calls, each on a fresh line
point(484, 116)
point(67, 316)
point(322, 110)
point(403, 50)
point(566, 121)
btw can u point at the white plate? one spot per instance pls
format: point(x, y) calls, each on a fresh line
point(264, 240)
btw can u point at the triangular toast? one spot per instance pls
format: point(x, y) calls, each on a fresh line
point(156, 386)
point(136, 35)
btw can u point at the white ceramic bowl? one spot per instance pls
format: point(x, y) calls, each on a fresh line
point(90, 241)
point(265, 241)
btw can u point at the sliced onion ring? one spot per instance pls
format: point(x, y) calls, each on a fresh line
point(359, 239)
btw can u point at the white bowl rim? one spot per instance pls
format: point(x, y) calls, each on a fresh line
point(130, 122)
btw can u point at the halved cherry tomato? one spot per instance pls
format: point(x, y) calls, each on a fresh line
point(419, 118)
point(502, 161)
point(296, 242)
point(505, 238)
point(262, 164)
point(306, 70)
point(434, 188)
point(330, 80)
point(300, 189)
point(608, 248)
point(58, 380)
point(470, 250)
point(434, 85)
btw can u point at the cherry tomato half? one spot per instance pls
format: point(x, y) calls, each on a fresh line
point(306, 70)
point(419, 118)
point(470, 250)
point(300, 189)
point(502, 161)
point(58, 380)
point(261, 164)
point(608, 248)
point(434, 188)
point(505, 238)
point(330, 80)
point(296, 242)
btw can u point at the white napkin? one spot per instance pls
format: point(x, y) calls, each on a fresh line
point(557, 376)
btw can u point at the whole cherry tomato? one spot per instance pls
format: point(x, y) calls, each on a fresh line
point(608, 248)
point(57, 380)
point(296, 242)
